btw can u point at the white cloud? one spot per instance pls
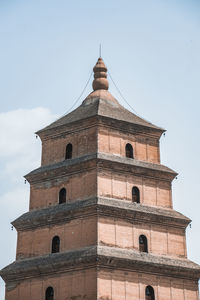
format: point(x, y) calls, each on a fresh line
point(18, 129)
point(19, 149)
point(19, 154)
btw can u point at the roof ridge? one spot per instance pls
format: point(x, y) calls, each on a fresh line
point(105, 105)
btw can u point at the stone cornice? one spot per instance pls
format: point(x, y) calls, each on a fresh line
point(127, 127)
point(128, 165)
point(100, 161)
point(48, 264)
point(100, 257)
point(116, 258)
point(112, 123)
point(64, 130)
point(142, 133)
point(62, 169)
point(138, 213)
point(124, 210)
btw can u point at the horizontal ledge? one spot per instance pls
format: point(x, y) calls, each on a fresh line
point(101, 160)
point(99, 108)
point(109, 207)
point(100, 256)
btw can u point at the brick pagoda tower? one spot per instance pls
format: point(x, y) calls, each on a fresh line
point(101, 224)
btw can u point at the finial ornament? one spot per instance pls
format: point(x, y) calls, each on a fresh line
point(100, 81)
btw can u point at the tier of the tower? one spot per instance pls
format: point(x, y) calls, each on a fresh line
point(94, 136)
point(103, 222)
point(131, 158)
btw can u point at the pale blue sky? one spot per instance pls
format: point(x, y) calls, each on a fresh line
point(47, 51)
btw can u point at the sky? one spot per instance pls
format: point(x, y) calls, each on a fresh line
point(47, 52)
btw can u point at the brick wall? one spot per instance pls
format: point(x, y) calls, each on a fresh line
point(114, 142)
point(153, 192)
point(75, 285)
point(45, 194)
point(104, 285)
point(75, 234)
point(84, 142)
point(109, 141)
point(119, 285)
point(162, 240)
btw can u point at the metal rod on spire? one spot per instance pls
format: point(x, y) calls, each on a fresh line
point(100, 50)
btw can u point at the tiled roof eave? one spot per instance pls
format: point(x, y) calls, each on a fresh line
point(129, 165)
point(109, 257)
point(100, 107)
point(121, 124)
point(126, 210)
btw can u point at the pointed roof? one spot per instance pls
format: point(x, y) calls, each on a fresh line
point(101, 103)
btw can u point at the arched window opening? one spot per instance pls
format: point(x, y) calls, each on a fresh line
point(135, 194)
point(143, 246)
point(149, 293)
point(129, 151)
point(55, 245)
point(62, 196)
point(68, 153)
point(49, 293)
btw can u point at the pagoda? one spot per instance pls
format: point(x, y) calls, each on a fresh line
point(101, 223)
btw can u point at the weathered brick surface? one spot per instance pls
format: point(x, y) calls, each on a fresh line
point(76, 234)
point(114, 142)
point(162, 240)
point(152, 192)
point(105, 285)
point(71, 285)
point(84, 142)
point(104, 140)
point(118, 285)
point(47, 194)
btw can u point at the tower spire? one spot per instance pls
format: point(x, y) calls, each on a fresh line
point(100, 81)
